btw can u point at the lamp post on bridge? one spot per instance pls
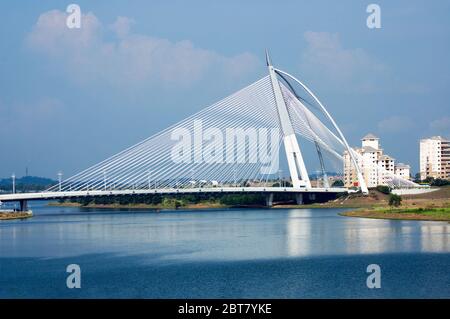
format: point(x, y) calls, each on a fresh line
point(149, 172)
point(104, 179)
point(192, 182)
point(280, 177)
point(60, 180)
point(13, 177)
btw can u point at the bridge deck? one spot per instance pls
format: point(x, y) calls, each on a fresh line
point(164, 191)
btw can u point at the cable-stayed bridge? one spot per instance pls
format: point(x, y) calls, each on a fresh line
point(235, 145)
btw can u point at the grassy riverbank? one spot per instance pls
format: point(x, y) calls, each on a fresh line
point(15, 215)
point(434, 206)
point(436, 214)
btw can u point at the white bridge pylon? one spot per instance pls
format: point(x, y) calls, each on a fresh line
point(232, 143)
point(297, 168)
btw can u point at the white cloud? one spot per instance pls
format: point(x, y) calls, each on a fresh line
point(88, 55)
point(50, 34)
point(353, 70)
point(122, 26)
point(395, 124)
point(349, 69)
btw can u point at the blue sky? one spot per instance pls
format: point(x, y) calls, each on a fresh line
point(68, 101)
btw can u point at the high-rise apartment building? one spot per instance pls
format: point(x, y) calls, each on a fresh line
point(373, 163)
point(435, 157)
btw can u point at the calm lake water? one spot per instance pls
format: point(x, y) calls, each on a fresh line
point(235, 253)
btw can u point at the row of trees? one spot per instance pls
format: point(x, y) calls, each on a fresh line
point(26, 184)
point(432, 181)
point(174, 201)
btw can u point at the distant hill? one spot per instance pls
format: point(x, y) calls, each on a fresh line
point(27, 183)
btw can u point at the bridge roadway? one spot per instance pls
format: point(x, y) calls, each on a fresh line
point(269, 191)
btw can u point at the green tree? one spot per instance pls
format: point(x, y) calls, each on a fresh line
point(395, 200)
point(276, 184)
point(417, 178)
point(338, 183)
point(86, 201)
point(439, 182)
point(384, 189)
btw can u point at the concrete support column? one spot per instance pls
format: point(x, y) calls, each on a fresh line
point(299, 198)
point(269, 199)
point(23, 205)
point(312, 196)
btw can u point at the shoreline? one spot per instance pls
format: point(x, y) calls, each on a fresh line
point(434, 206)
point(140, 206)
point(381, 212)
point(399, 214)
point(201, 206)
point(15, 215)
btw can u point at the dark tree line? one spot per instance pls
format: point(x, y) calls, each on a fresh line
point(173, 200)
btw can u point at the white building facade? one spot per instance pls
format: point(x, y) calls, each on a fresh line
point(435, 158)
point(373, 163)
point(403, 170)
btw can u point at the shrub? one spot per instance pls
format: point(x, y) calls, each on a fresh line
point(439, 182)
point(243, 199)
point(86, 201)
point(395, 200)
point(384, 189)
point(338, 183)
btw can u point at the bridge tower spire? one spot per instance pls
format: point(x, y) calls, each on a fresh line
point(297, 168)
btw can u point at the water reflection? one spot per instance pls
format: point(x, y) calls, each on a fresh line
point(311, 232)
point(432, 243)
point(298, 235)
point(369, 236)
point(215, 235)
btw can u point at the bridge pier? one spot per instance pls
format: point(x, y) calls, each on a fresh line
point(23, 205)
point(299, 198)
point(269, 199)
